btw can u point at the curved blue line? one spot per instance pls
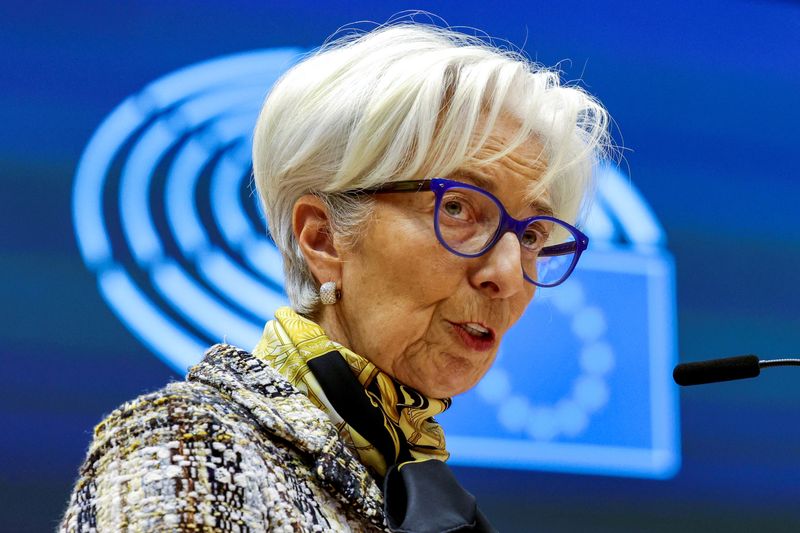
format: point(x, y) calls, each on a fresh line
point(238, 127)
point(161, 335)
point(182, 215)
point(238, 285)
point(90, 176)
point(223, 274)
point(137, 223)
point(264, 258)
point(210, 106)
point(259, 67)
point(191, 158)
point(226, 207)
point(201, 308)
point(228, 211)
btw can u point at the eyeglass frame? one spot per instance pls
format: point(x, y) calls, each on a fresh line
point(507, 223)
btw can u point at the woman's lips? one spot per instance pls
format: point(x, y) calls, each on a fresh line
point(472, 339)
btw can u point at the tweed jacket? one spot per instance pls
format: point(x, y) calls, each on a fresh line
point(235, 447)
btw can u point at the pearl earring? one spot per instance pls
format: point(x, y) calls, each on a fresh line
point(328, 293)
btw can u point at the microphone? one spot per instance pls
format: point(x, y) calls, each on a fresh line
point(726, 369)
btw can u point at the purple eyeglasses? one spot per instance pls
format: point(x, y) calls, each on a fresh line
point(469, 221)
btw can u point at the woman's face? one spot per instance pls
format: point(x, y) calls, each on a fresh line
point(420, 313)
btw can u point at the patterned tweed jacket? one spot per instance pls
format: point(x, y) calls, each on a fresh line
point(234, 448)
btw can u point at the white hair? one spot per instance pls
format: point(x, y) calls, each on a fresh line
point(409, 101)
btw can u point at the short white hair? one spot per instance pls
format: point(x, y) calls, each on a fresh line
point(408, 101)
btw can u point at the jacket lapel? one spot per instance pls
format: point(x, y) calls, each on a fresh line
point(284, 412)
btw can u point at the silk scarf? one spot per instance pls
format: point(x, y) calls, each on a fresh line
point(382, 421)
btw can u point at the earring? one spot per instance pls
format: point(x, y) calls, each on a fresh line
point(328, 293)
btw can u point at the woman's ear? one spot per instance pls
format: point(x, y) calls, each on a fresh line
point(312, 229)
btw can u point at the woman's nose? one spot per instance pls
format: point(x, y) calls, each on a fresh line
point(499, 274)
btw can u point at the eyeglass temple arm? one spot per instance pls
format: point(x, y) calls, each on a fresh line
point(565, 248)
point(395, 186)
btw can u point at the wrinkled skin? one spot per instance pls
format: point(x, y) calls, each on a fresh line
point(405, 298)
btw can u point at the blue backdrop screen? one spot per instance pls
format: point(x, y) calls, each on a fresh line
point(131, 241)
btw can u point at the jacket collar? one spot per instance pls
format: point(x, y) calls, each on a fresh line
point(281, 410)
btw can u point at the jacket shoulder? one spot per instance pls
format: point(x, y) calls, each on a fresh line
point(195, 455)
point(180, 410)
point(168, 460)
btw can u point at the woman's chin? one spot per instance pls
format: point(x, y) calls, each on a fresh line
point(446, 387)
point(443, 374)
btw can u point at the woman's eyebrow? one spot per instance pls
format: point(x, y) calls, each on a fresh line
point(539, 206)
point(476, 179)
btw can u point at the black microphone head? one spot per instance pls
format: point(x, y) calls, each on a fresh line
point(700, 372)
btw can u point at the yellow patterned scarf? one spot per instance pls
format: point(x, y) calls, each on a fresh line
point(396, 422)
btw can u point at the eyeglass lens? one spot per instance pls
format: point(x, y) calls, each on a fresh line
point(468, 220)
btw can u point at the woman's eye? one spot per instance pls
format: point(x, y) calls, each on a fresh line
point(533, 239)
point(454, 208)
point(530, 239)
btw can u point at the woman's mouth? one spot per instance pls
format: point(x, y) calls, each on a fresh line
point(474, 336)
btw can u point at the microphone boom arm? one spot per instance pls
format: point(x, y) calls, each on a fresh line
point(727, 369)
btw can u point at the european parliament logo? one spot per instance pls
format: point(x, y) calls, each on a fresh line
point(165, 217)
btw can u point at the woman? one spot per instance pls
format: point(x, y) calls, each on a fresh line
point(416, 182)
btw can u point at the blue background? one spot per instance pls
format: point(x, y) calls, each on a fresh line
point(705, 95)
